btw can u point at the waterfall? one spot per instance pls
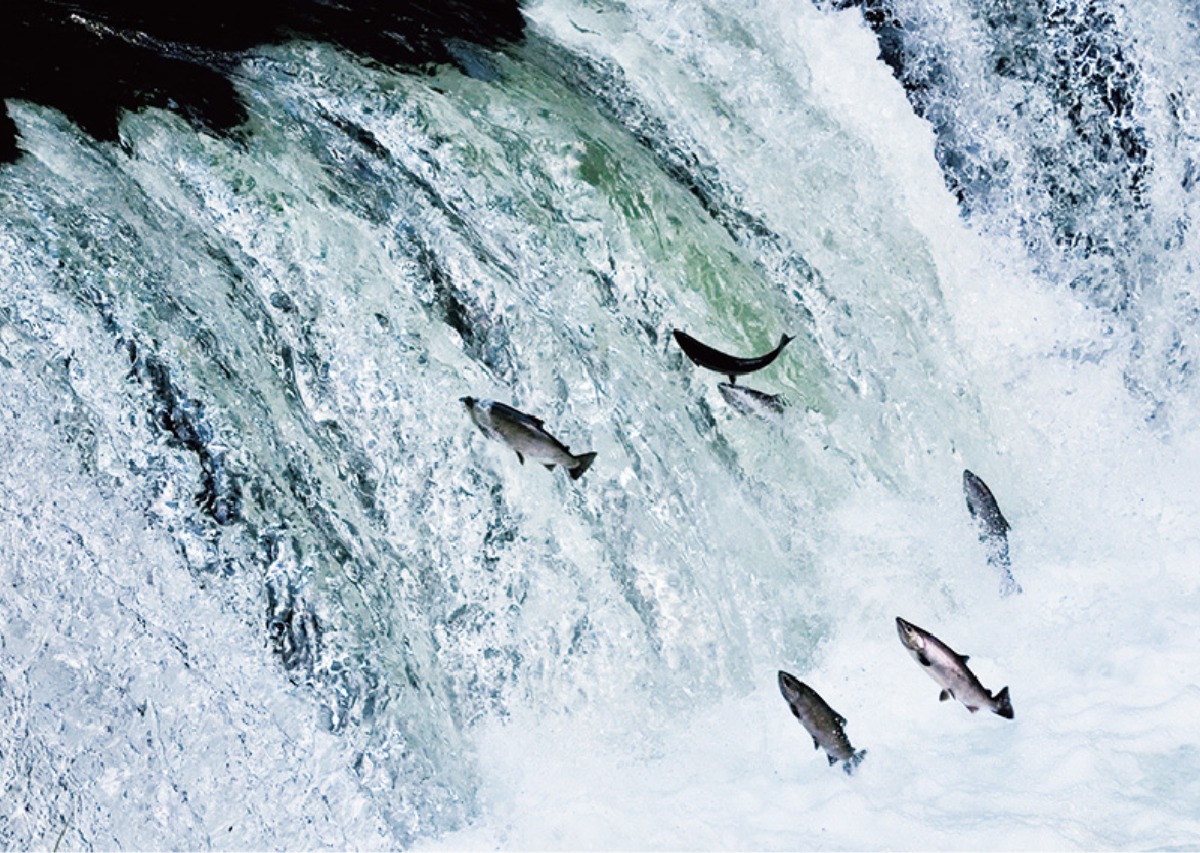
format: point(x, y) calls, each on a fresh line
point(263, 583)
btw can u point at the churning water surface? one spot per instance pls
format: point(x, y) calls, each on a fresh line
point(264, 585)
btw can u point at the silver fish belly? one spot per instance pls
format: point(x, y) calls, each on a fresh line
point(751, 401)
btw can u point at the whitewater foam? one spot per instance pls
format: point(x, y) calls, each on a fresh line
point(400, 636)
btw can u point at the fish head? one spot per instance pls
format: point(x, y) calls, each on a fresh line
point(981, 503)
point(789, 685)
point(478, 412)
point(976, 492)
point(910, 635)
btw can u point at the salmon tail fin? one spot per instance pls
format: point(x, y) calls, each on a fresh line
point(1004, 704)
point(784, 340)
point(582, 462)
point(853, 761)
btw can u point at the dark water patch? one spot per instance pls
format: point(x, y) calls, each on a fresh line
point(348, 684)
point(8, 136)
point(356, 471)
point(92, 63)
point(484, 334)
point(92, 59)
point(184, 422)
point(500, 537)
point(360, 135)
point(357, 164)
point(1073, 113)
point(293, 630)
point(339, 539)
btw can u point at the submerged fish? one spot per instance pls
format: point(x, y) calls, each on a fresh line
point(993, 529)
point(731, 365)
point(826, 725)
point(526, 435)
point(750, 401)
point(949, 669)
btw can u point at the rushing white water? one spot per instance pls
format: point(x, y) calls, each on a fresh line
point(265, 585)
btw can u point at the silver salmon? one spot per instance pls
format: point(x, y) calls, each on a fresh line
point(949, 669)
point(526, 435)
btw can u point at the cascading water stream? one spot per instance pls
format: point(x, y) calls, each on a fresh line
point(265, 585)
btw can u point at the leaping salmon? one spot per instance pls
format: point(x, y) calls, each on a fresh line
point(730, 365)
point(993, 529)
point(751, 401)
point(827, 726)
point(949, 669)
point(526, 435)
